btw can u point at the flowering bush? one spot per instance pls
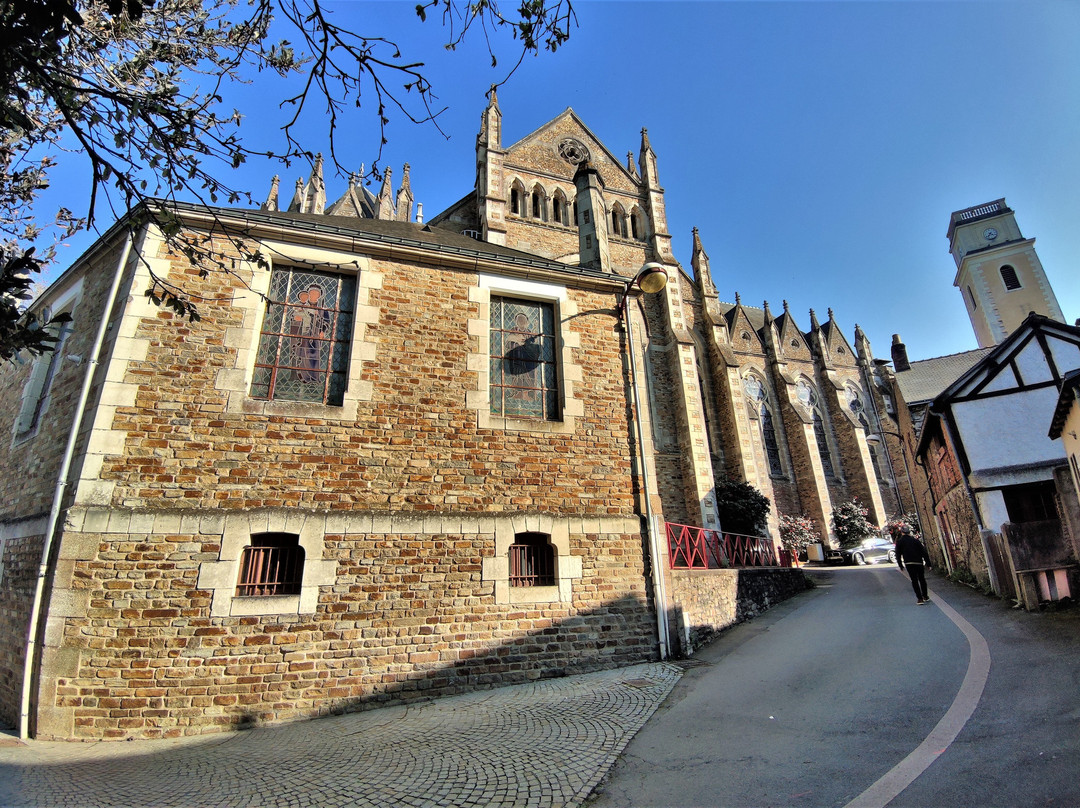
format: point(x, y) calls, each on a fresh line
point(849, 523)
point(894, 525)
point(797, 532)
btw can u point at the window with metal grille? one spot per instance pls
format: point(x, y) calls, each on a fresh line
point(273, 564)
point(532, 560)
point(524, 371)
point(1008, 276)
point(304, 348)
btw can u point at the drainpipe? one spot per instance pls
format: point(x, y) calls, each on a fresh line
point(35, 629)
point(659, 588)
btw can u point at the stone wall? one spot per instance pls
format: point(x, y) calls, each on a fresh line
point(709, 601)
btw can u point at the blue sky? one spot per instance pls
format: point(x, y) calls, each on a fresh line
point(819, 147)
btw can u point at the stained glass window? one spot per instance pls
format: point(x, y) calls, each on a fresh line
point(304, 348)
point(757, 393)
point(524, 372)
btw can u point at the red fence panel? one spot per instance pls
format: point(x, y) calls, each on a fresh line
point(697, 548)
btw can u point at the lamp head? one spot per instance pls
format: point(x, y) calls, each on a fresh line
point(652, 278)
point(872, 438)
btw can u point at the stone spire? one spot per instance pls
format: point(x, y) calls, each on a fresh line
point(491, 200)
point(814, 325)
point(660, 238)
point(271, 202)
point(297, 202)
point(700, 263)
point(631, 166)
point(384, 202)
point(404, 197)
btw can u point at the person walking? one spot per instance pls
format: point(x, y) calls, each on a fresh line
point(910, 551)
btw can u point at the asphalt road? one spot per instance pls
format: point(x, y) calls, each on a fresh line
point(853, 694)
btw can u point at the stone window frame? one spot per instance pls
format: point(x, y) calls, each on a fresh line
point(560, 208)
point(543, 382)
point(289, 310)
point(618, 220)
point(220, 577)
point(852, 394)
point(36, 395)
point(825, 441)
point(236, 381)
point(568, 568)
point(538, 203)
point(760, 404)
point(479, 359)
point(637, 224)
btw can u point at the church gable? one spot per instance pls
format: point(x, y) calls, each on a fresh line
point(556, 149)
point(792, 343)
point(839, 349)
point(745, 334)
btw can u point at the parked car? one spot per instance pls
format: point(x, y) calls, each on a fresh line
point(871, 551)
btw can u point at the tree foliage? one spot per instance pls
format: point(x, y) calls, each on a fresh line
point(134, 89)
point(797, 533)
point(850, 524)
point(741, 507)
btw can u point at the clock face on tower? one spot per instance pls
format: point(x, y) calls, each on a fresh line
point(990, 234)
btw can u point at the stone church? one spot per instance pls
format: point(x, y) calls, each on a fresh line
point(395, 458)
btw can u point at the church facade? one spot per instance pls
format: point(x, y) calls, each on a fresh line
point(392, 458)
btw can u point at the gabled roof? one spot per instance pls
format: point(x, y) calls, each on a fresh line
point(927, 378)
point(1005, 355)
point(1070, 391)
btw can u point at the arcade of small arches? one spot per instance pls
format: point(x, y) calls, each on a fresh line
point(556, 208)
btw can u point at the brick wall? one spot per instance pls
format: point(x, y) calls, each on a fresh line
point(400, 502)
point(407, 615)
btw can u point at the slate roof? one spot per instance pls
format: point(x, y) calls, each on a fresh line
point(404, 233)
point(928, 378)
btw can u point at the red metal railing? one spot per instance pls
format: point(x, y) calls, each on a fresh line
point(697, 548)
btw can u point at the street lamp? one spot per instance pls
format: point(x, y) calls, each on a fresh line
point(651, 279)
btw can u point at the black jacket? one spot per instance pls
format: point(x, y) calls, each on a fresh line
point(911, 550)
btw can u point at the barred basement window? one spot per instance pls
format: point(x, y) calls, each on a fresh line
point(524, 372)
point(273, 564)
point(304, 348)
point(532, 560)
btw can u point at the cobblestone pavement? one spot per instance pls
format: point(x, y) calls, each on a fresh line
point(542, 744)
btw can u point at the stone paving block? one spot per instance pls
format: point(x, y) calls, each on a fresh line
point(480, 748)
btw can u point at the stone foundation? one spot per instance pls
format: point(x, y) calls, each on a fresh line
point(709, 601)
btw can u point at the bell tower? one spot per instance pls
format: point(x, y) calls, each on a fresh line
point(998, 272)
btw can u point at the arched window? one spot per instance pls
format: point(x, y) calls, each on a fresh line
point(974, 304)
point(273, 564)
point(808, 396)
point(539, 210)
point(558, 208)
point(575, 222)
point(855, 404)
point(532, 560)
point(517, 199)
point(637, 227)
point(618, 221)
point(1008, 277)
point(755, 390)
